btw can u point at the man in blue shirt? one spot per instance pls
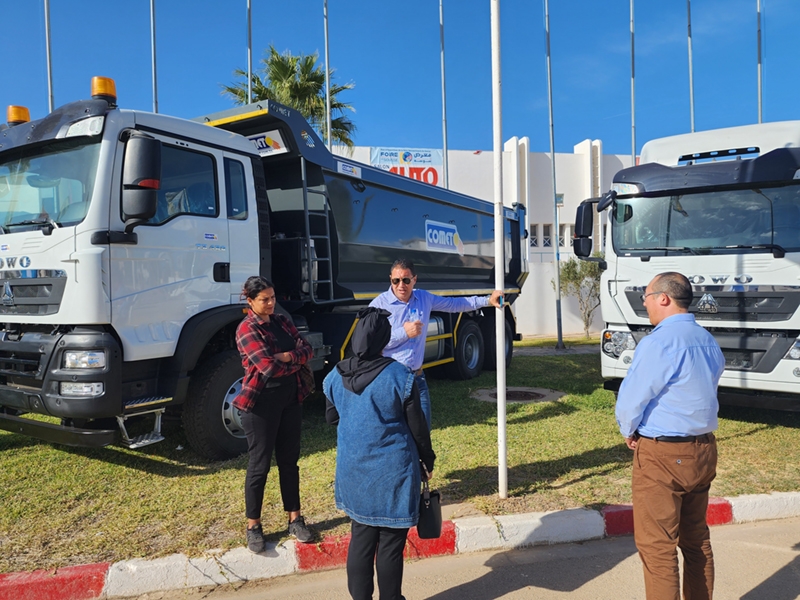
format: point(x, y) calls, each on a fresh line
point(667, 412)
point(410, 312)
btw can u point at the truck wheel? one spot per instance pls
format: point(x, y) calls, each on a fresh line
point(469, 352)
point(213, 426)
point(489, 340)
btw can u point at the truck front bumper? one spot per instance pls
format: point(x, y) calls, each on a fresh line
point(59, 434)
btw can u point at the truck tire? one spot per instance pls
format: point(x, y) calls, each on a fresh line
point(469, 352)
point(213, 426)
point(489, 342)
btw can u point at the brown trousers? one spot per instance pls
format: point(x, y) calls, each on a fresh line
point(670, 500)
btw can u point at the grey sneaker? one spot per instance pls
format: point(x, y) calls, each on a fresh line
point(298, 529)
point(255, 539)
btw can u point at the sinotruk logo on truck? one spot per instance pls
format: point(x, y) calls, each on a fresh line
point(443, 237)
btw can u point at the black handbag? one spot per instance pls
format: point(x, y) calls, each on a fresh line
point(430, 513)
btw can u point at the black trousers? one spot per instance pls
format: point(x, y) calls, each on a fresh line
point(365, 542)
point(273, 424)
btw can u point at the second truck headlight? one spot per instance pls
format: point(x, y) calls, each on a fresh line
point(84, 359)
point(616, 342)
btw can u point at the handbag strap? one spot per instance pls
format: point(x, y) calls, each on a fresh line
point(426, 492)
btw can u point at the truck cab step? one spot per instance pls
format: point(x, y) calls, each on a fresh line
point(140, 441)
point(146, 404)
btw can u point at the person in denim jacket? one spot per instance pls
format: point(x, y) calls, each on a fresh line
point(383, 445)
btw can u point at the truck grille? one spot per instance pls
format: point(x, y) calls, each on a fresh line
point(19, 363)
point(31, 292)
point(750, 306)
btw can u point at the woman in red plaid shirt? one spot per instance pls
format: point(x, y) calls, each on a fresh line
point(270, 400)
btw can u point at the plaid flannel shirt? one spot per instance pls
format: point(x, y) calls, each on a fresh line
point(258, 346)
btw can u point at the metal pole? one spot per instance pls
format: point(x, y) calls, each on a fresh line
point(327, 80)
point(444, 99)
point(249, 54)
point(633, 97)
point(50, 99)
point(153, 53)
point(691, 76)
point(556, 233)
point(758, 8)
point(499, 256)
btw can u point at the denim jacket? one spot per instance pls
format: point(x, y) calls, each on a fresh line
point(377, 462)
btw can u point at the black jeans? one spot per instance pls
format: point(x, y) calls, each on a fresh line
point(389, 543)
point(273, 424)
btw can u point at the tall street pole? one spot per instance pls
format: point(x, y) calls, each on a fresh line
point(556, 233)
point(444, 99)
point(153, 53)
point(691, 76)
point(327, 78)
point(50, 99)
point(499, 254)
point(758, 8)
point(633, 96)
point(249, 54)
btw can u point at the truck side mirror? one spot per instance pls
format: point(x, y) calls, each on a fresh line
point(141, 179)
point(584, 228)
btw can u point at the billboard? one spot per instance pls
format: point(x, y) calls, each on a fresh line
point(417, 163)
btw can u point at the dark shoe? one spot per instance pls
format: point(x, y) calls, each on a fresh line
point(255, 539)
point(298, 529)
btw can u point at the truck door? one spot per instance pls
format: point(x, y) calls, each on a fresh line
point(178, 266)
point(242, 215)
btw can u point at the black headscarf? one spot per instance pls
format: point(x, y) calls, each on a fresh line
point(372, 333)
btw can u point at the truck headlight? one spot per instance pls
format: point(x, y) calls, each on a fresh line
point(794, 352)
point(79, 388)
point(616, 342)
point(84, 359)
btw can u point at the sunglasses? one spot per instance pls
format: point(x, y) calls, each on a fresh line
point(397, 280)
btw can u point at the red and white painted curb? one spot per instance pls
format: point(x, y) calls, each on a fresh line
point(139, 576)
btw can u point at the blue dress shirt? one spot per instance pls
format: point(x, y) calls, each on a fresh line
point(411, 351)
point(671, 387)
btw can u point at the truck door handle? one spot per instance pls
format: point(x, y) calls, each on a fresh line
point(222, 272)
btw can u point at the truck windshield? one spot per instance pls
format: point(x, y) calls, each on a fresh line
point(47, 186)
point(750, 220)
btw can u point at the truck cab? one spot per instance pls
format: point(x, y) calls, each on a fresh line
point(723, 208)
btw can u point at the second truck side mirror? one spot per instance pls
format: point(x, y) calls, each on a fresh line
point(141, 179)
point(584, 229)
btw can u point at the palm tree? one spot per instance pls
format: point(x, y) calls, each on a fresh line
point(298, 82)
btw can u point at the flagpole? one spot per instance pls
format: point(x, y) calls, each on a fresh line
point(445, 171)
point(249, 54)
point(633, 97)
point(758, 8)
point(50, 98)
point(556, 233)
point(327, 79)
point(691, 76)
point(153, 53)
point(499, 256)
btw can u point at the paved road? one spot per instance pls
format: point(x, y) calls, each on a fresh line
point(551, 351)
point(754, 561)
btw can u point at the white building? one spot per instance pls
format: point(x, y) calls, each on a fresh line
point(527, 178)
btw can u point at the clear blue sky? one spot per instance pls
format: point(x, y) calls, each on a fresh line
point(390, 50)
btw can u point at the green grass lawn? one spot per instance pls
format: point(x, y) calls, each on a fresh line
point(65, 506)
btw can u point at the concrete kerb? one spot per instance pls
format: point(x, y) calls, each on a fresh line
point(461, 535)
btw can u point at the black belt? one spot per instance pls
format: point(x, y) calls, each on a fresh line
point(678, 438)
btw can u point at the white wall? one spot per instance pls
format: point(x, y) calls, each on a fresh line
point(578, 176)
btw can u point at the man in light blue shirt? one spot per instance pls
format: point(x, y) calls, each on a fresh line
point(667, 412)
point(410, 312)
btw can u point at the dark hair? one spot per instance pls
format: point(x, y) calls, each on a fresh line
point(403, 263)
point(676, 286)
point(255, 285)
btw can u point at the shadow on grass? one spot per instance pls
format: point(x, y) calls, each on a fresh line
point(770, 417)
point(173, 457)
point(537, 476)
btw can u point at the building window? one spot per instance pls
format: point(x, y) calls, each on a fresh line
point(533, 235)
point(546, 241)
point(562, 234)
